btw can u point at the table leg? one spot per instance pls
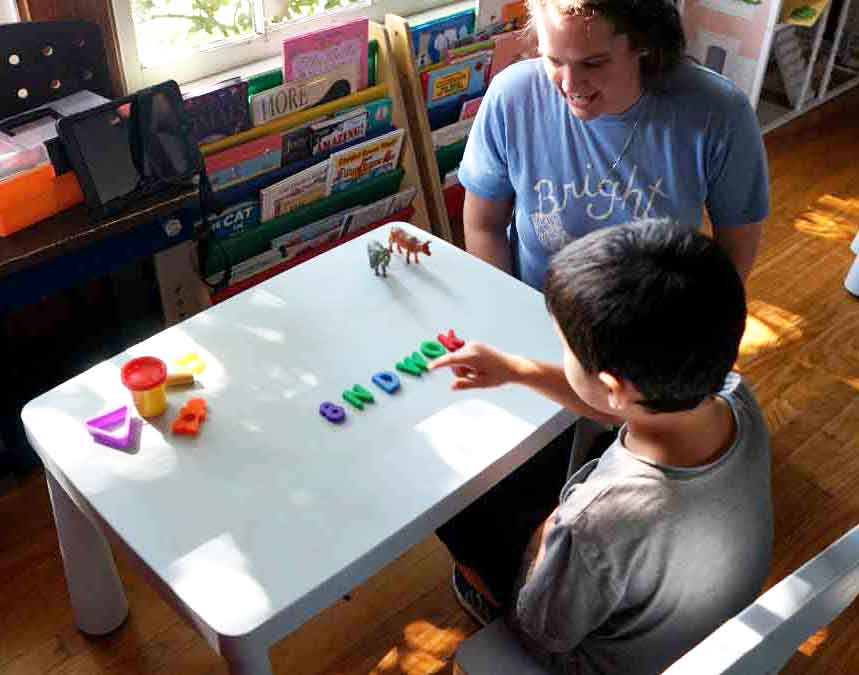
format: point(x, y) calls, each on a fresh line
point(97, 597)
point(250, 664)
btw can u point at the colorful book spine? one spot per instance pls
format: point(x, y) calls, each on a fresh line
point(244, 162)
point(317, 53)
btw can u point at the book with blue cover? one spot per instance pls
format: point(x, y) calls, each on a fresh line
point(457, 81)
point(435, 31)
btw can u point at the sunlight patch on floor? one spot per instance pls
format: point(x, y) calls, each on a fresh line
point(831, 218)
point(390, 661)
point(768, 327)
point(811, 644)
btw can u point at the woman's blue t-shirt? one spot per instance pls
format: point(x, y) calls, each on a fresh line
point(697, 142)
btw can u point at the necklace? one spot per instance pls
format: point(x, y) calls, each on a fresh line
point(611, 176)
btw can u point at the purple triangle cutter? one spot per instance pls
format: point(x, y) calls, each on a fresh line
point(114, 428)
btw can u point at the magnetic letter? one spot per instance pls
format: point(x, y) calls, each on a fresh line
point(386, 380)
point(332, 412)
point(363, 394)
point(450, 340)
point(411, 366)
point(432, 349)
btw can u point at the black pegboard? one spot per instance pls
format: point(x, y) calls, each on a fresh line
point(42, 61)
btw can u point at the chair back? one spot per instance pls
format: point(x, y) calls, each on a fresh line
point(42, 61)
point(764, 636)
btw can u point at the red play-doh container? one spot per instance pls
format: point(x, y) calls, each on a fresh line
point(145, 377)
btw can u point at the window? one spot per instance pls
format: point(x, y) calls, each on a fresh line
point(188, 40)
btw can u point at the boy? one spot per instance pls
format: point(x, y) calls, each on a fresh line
point(669, 532)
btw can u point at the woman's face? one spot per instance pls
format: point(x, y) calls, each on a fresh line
point(595, 69)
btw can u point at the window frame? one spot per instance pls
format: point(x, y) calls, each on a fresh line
point(222, 61)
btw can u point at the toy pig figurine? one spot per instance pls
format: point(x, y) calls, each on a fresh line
point(380, 257)
point(405, 241)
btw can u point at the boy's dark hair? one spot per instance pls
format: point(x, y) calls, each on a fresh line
point(654, 303)
point(651, 25)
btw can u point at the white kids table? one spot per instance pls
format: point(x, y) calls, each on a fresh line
point(273, 513)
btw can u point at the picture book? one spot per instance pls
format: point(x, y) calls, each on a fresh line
point(329, 135)
point(496, 15)
point(309, 232)
point(510, 48)
point(268, 79)
point(296, 144)
point(297, 95)
point(433, 32)
point(379, 115)
point(488, 13)
point(297, 190)
point(309, 237)
point(244, 161)
point(465, 79)
point(453, 133)
point(251, 266)
point(450, 179)
point(483, 56)
point(218, 113)
point(470, 107)
point(365, 160)
point(403, 199)
point(367, 215)
point(318, 53)
point(457, 54)
point(233, 219)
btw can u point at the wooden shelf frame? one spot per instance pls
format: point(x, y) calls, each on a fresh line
point(401, 44)
point(178, 268)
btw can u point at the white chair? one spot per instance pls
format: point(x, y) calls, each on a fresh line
point(759, 640)
point(494, 650)
point(851, 281)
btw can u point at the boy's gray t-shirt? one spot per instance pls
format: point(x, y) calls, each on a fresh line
point(644, 561)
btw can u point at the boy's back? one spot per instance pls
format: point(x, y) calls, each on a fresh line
point(642, 561)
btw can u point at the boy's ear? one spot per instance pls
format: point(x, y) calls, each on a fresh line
point(619, 393)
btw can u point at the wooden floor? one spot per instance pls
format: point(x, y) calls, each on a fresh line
point(801, 354)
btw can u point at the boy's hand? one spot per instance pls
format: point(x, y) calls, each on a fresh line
point(478, 366)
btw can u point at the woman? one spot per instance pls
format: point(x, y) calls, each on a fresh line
point(611, 124)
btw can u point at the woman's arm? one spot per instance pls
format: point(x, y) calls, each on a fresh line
point(741, 244)
point(485, 222)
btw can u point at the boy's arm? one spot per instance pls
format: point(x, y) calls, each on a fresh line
point(479, 366)
point(563, 594)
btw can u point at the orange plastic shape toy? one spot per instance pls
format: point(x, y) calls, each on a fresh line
point(190, 417)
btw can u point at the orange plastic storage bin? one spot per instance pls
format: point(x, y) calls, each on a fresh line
point(34, 195)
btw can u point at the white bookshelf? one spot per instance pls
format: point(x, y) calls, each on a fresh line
point(781, 80)
point(824, 77)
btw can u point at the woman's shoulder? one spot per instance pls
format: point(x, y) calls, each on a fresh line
point(518, 78)
point(692, 86)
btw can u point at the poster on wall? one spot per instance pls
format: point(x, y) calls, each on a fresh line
point(732, 37)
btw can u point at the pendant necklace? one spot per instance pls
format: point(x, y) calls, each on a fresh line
point(611, 176)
